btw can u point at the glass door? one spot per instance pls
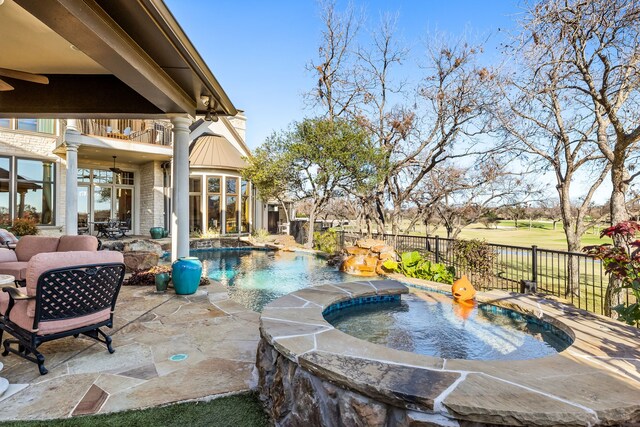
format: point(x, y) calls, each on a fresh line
point(83, 208)
point(101, 203)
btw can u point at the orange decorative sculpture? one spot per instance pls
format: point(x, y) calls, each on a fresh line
point(462, 290)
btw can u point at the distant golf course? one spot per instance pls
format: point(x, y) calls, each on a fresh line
point(541, 233)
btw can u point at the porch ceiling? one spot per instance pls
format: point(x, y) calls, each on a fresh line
point(104, 58)
point(129, 153)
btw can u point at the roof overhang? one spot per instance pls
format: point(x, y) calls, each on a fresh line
point(103, 58)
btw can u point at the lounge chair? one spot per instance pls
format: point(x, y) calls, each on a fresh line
point(67, 293)
point(14, 262)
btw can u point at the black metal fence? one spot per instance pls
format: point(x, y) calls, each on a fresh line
point(575, 277)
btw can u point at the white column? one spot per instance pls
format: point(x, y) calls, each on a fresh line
point(180, 186)
point(72, 142)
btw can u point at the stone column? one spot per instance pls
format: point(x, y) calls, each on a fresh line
point(180, 186)
point(71, 142)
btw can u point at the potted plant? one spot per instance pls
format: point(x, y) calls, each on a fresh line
point(162, 274)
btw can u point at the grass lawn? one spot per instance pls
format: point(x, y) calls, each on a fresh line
point(541, 234)
point(239, 410)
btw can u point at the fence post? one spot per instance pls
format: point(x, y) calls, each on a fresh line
point(534, 263)
point(437, 249)
point(341, 239)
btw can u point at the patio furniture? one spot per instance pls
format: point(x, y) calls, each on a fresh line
point(8, 239)
point(109, 229)
point(67, 293)
point(14, 262)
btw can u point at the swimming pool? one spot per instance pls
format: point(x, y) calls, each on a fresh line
point(256, 277)
point(432, 324)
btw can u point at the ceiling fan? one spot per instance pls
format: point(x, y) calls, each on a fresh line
point(114, 169)
point(20, 75)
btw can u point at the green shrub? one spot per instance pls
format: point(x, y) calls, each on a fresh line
point(476, 258)
point(260, 235)
point(412, 264)
point(326, 241)
point(26, 226)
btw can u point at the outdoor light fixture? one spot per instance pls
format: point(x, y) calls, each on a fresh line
point(210, 104)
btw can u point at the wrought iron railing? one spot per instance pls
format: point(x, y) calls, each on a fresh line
point(575, 277)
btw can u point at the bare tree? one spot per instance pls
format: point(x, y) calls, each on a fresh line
point(598, 44)
point(453, 96)
point(591, 49)
point(338, 86)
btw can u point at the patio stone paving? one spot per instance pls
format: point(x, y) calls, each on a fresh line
point(218, 337)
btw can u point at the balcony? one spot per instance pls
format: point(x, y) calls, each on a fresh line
point(156, 132)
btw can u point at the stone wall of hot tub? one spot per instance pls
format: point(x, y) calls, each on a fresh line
point(312, 374)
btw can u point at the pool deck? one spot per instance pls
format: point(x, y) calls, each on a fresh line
point(595, 381)
point(218, 336)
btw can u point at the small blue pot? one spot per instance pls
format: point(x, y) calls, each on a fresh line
point(186, 273)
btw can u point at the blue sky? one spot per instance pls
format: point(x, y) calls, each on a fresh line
point(258, 49)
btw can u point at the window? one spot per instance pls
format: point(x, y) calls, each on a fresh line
point(246, 206)
point(5, 187)
point(35, 190)
point(195, 204)
point(232, 208)
point(37, 125)
point(124, 178)
point(5, 123)
point(213, 203)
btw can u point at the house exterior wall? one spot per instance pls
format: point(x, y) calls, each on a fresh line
point(151, 196)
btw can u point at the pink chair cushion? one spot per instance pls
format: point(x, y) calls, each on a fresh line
point(77, 243)
point(17, 269)
point(7, 255)
point(28, 246)
point(18, 314)
point(7, 237)
point(48, 261)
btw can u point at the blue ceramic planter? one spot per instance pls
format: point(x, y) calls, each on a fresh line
point(186, 273)
point(157, 232)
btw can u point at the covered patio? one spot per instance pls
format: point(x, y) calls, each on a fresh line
point(107, 59)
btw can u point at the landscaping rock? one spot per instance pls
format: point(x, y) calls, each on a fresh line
point(140, 260)
point(366, 257)
point(143, 246)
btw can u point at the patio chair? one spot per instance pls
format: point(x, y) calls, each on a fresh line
point(7, 239)
point(67, 293)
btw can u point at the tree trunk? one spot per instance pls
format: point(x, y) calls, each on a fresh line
point(312, 220)
point(618, 210)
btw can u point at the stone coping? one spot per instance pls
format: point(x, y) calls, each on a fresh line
point(596, 380)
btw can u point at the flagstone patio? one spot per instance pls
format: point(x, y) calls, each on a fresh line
point(212, 339)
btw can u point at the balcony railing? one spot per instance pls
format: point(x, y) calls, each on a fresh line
point(146, 131)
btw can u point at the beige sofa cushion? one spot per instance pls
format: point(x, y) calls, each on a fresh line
point(28, 246)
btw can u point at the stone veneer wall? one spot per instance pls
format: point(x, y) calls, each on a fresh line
point(294, 397)
point(220, 242)
point(151, 196)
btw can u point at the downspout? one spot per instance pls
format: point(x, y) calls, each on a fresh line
point(165, 191)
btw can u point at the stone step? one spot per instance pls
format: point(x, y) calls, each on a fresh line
point(4, 385)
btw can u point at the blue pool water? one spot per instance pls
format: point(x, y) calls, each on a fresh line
point(256, 277)
point(432, 324)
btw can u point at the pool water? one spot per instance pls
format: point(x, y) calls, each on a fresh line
point(256, 277)
point(432, 324)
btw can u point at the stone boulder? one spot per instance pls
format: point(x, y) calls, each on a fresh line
point(140, 260)
point(143, 246)
point(366, 257)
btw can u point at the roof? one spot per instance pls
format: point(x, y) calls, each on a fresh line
point(103, 58)
point(215, 152)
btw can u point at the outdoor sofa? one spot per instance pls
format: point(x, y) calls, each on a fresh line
point(14, 261)
point(67, 293)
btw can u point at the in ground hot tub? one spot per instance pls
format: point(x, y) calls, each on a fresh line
point(432, 324)
point(313, 374)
